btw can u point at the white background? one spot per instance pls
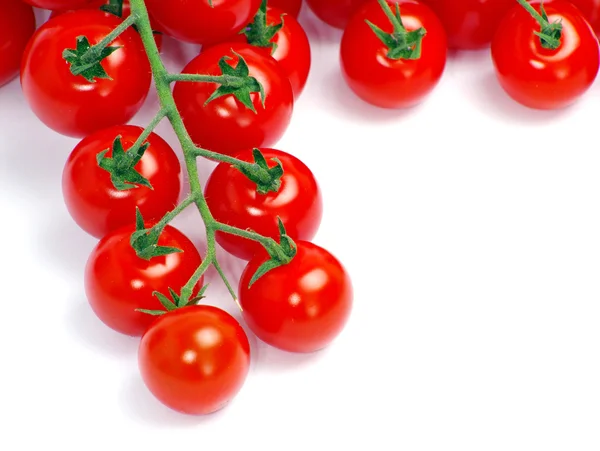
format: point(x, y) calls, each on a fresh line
point(470, 227)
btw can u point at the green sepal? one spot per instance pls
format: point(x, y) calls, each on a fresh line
point(258, 33)
point(87, 63)
point(121, 166)
point(551, 32)
point(239, 83)
point(114, 7)
point(287, 251)
point(165, 301)
point(151, 312)
point(198, 297)
point(266, 179)
point(145, 241)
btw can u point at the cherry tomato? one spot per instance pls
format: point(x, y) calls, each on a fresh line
point(292, 50)
point(199, 22)
point(470, 24)
point(194, 359)
point(17, 24)
point(543, 78)
point(117, 281)
point(91, 197)
point(591, 11)
point(386, 82)
point(301, 306)
point(335, 12)
point(291, 7)
point(70, 104)
point(225, 124)
point(233, 199)
point(58, 4)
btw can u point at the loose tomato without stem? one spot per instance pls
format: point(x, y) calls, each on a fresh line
point(92, 199)
point(376, 77)
point(118, 282)
point(234, 200)
point(17, 24)
point(70, 104)
point(301, 306)
point(470, 24)
point(194, 359)
point(225, 124)
point(539, 77)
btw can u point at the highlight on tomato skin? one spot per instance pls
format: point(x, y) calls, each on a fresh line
point(17, 25)
point(543, 78)
point(301, 306)
point(194, 359)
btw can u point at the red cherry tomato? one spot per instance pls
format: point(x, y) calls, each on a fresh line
point(335, 12)
point(70, 104)
point(58, 4)
point(17, 24)
point(470, 24)
point(198, 22)
point(225, 124)
point(291, 7)
point(234, 200)
point(386, 82)
point(542, 78)
point(292, 50)
point(92, 199)
point(194, 359)
point(591, 11)
point(118, 282)
point(301, 306)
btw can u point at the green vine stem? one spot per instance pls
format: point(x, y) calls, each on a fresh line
point(550, 32)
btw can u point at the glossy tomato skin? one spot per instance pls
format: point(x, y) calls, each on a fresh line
point(117, 281)
point(93, 201)
point(385, 82)
point(194, 359)
point(301, 306)
point(233, 200)
point(225, 124)
point(198, 22)
point(17, 24)
point(336, 13)
point(291, 7)
point(70, 104)
point(542, 78)
point(591, 11)
point(58, 4)
point(470, 24)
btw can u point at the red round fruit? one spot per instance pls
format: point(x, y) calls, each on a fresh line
point(301, 306)
point(591, 11)
point(70, 104)
point(543, 78)
point(225, 124)
point(92, 199)
point(118, 282)
point(233, 199)
point(194, 359)
point(291, 7)
point(199, 22)
point(58, 4)
point(335, 12)
point(387, 82)
point(17, 24)
point(470, 24)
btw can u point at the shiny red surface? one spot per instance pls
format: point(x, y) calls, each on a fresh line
point(335, 12)
point(17, 24)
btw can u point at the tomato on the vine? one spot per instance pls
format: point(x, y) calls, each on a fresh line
point(301, 306)
point(540, 77)
point(234, 200)
point(225, 124)
point(590, 10)
point(470, 24)
point(70, 104)
point(17, 24)
point(371, 72)
point(92, 199)
point(58, 4)
point(202, 21)
point(335, 12)
point(194, 359)
point(118, 282)
point(291, 7)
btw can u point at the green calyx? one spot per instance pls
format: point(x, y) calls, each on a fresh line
point(258, 33)
point(114, 7)
point(85, 60)
point(550, 32)
point(280, 255)
point(121, 166)
point(174, 302)
point(267, 179)
point(401, 44)
point(145, 241)
point(237, 82)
